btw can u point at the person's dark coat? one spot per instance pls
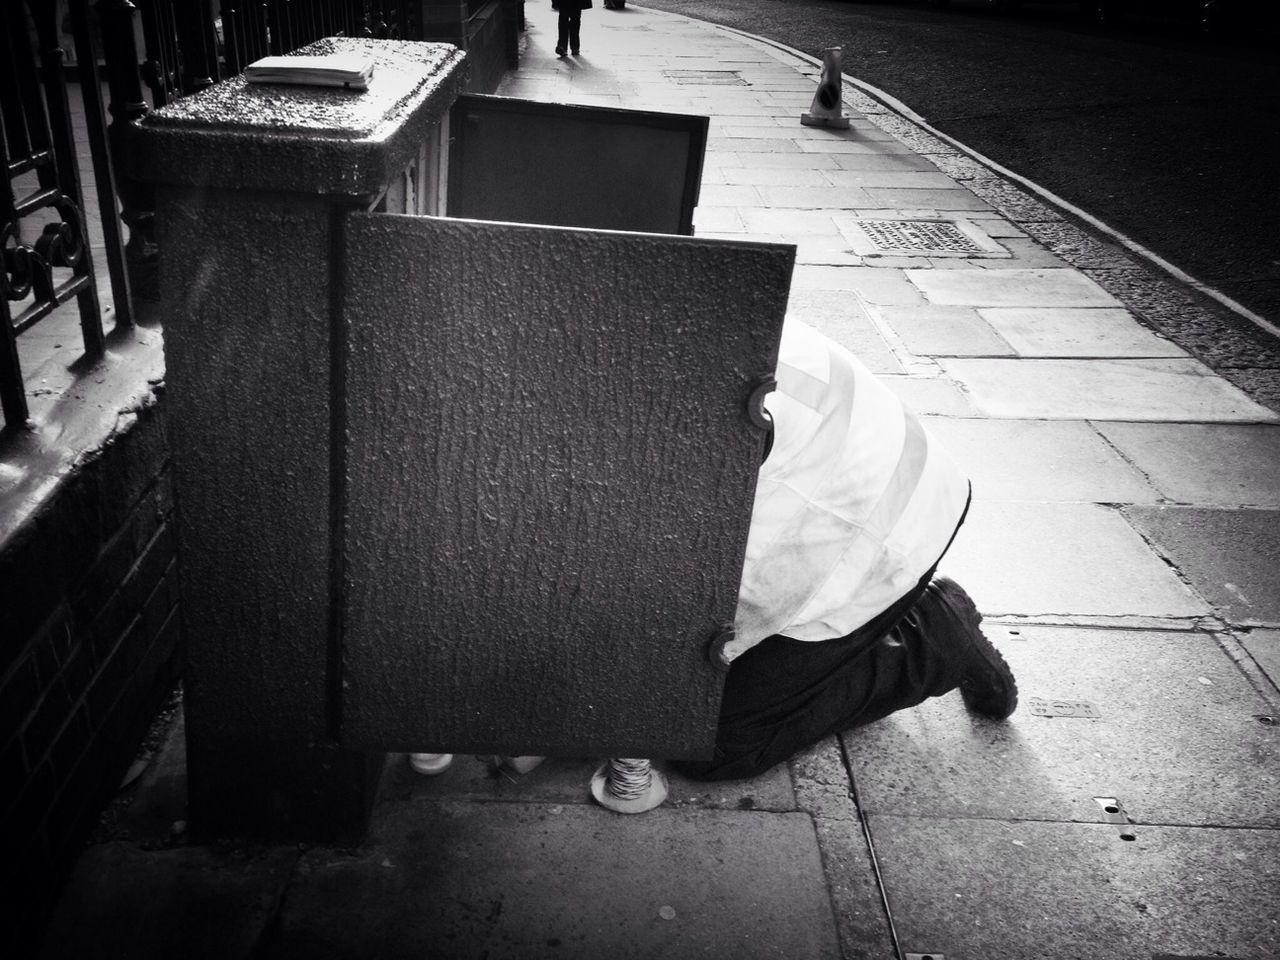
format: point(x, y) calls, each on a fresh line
point(568, 6)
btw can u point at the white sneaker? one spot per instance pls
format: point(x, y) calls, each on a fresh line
point(430, 763)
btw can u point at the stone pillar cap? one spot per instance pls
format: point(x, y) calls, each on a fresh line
point(305, 139)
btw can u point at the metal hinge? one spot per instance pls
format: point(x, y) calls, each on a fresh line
point(759, 416)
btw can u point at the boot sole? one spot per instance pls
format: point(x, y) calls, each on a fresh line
point(996, 693)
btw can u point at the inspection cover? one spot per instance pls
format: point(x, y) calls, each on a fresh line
point(1042, 707)
point(725, 77)
point(920, 238)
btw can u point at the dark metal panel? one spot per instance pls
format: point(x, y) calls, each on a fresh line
point(575, 166)
point(550, 470)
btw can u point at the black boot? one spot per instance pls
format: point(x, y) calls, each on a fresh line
point(986, 682)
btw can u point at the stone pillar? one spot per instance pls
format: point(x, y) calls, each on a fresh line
point(252, 185)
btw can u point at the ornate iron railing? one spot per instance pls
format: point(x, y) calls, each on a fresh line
point(187, 46)
point(37, 150)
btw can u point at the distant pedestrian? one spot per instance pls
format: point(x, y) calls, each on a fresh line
point(570, 25)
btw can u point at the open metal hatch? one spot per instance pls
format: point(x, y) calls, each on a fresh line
point(552, 439)
point(574, 166)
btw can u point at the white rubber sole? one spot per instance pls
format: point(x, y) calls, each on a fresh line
point(430, 764)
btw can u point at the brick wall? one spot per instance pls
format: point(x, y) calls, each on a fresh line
point(88, 653)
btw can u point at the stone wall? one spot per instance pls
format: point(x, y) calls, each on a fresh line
point(491, 45)
point(88, 652)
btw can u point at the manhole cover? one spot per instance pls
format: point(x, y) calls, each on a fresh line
point(918, 235)
point(704, 76)
point(921, 238)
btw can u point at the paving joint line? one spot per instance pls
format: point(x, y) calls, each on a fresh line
point(1121, 621)
point(847, 762)
point(1252, 670)
point(1054, 821)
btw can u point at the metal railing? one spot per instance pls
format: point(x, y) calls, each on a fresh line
point(42, 176)
point(187, 46)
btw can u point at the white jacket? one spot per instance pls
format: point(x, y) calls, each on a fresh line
point(854, 503)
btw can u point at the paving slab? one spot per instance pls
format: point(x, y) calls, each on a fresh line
point(866, 143)
point(909, 179)
point(726, 195)
point(1011, 288)
point(1204, 464)
point(838, 314)
point(1230, 556)
point(934, 331)
point(752, 145)
point(1077, 332)
point(1024, 253)
point(728, 158)
point(989, 890)
point(823, 249)
point(788, 221)
point(775, 176)
point(1103, 389)
point(881, 286)
point(190, 902)
point(523, 881)
point(1264, 646)
point(1176, 737)
point(874, 161)
point(956, 198)
point(745, 120)
point(1063, 560)
point(931, 395)
point(996, 226)
point(817, 198)
point(1040, 460)
point(927, 213)
point(717, 220)
point(792, 131)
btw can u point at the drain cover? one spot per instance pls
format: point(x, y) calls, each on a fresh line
point(929, 235)
point(705, 76)
point(921, 238)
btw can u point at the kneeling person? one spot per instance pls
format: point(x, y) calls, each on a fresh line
point(840, 618)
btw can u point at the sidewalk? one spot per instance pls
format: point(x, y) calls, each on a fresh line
point(1122, 543)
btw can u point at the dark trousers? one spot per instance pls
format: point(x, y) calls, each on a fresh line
point(783, 695)
point(570, 24)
